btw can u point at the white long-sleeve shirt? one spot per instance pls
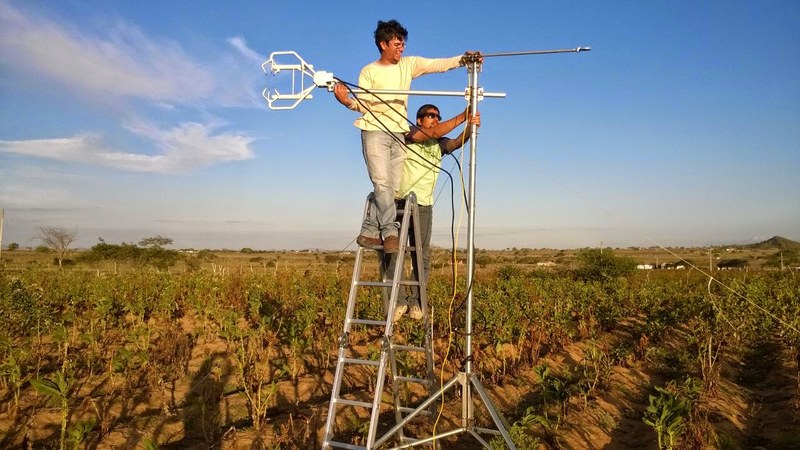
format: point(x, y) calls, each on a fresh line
point(393, 77)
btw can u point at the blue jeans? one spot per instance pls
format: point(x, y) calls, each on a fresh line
point(384, 156)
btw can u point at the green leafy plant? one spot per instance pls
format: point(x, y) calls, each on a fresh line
point(11, 369)
point(253, 356)
point(57, 390)
point(668, 414)
point(596, 369)
point(77, 434)
point(520, 432)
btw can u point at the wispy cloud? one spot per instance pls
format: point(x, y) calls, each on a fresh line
point(122, 61)
point(240, 44)
point(183, 148)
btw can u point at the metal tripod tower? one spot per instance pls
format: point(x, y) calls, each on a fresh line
point(466, 379)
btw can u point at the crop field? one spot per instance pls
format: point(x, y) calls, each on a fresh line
point(237, 350)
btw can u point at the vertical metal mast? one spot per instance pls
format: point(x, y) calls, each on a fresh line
point(473, 68)
point(1, 234)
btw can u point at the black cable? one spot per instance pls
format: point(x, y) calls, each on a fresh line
point(403, 143)
point(385, 128)
point(349, 87)
point(460, 170)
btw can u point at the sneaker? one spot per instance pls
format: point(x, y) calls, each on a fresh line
point(399, 310)
point(366, 241)
point(415, 312)
point(391, 244)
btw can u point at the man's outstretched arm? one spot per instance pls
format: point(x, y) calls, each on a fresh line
point(451, 145)
point(417, 134)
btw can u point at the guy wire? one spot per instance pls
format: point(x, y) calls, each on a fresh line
point(657, 244)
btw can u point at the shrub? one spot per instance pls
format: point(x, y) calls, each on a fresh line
point(602, 265)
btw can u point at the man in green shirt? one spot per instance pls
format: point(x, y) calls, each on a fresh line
point(426, 145)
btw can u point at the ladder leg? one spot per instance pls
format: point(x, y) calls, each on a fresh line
point(412, 226)
point(421, 241)
point(330, 422)
point(376, 401)
point(391, 273)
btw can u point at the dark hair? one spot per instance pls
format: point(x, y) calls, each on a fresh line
point(388, 30)
point(424, 109)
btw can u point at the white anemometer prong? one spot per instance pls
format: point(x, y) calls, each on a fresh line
point(300, 70)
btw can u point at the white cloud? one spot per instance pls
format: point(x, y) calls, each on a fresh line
point(184, 148)
point(124, 62)
point(251, 55)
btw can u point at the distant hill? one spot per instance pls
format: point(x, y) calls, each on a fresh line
point(776, 242)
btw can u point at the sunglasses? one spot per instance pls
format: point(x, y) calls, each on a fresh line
point(431, 116)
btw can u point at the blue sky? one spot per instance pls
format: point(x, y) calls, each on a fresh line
point(124, 120)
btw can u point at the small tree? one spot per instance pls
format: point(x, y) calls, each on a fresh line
point(156, 242)
point(12, 246)
point(57, 239)
point(155, 254)
point(737, 263)
point(601, 265)
point(779, 259)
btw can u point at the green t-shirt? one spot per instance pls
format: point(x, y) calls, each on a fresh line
point(420, 171)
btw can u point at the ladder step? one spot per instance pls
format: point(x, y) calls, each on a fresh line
point(408, 348)
point(379, 248)
point(374, 283)
point(344, 445)
point(413, 380)
point(368, 322)
point(407, 410)
point(344, 401)
point(386, 284)
point(363, 362)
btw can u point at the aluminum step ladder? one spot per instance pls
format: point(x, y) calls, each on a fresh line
point(354, 362)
